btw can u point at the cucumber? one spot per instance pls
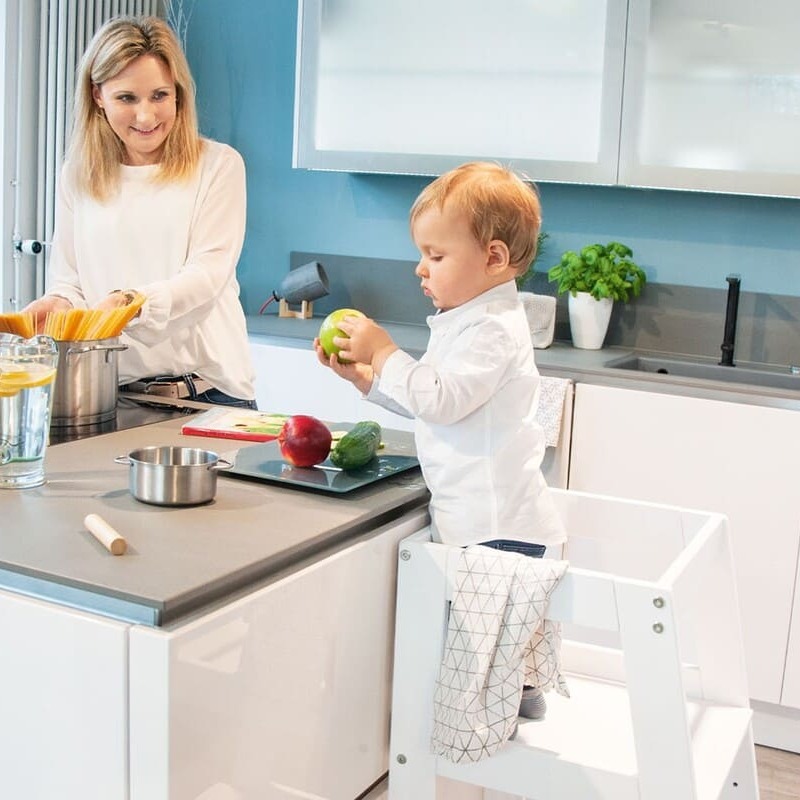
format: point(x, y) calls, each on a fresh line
point(357, 447)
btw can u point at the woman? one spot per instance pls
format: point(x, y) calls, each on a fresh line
point(146, 206)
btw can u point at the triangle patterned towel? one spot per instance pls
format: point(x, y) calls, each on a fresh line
point(496, 636)
point(550, 411)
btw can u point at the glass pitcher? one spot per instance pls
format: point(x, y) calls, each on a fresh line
point(27, 374)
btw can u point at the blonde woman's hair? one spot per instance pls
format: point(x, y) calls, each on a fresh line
point(95, 151)
point(496, 202)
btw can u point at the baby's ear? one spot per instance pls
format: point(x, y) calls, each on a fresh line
point(498, 256)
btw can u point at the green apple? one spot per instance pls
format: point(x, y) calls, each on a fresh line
point(329, 329)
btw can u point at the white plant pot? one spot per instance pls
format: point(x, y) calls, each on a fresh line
point(588, 320)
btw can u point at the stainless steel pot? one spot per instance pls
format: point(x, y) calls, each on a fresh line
point(85, 391)
point(173, 476)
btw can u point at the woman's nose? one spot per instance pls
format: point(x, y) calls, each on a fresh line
point(144, 112)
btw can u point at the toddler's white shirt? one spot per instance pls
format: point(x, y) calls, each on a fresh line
point(474, 395)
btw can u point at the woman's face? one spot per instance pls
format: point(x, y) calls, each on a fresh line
point(140, 106)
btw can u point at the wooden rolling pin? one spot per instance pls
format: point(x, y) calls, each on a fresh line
point(105, 534)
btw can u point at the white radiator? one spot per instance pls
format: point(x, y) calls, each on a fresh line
point(66, 27)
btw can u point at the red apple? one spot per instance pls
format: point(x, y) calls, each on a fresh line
point(304, 441)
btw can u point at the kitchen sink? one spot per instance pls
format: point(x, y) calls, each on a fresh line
point(754, 374)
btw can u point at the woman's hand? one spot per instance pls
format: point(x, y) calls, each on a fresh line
point(41, 307)
point(117, 299)
point(360, 375)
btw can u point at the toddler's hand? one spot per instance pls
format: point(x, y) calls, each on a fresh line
point(366, 342)
point(360, 375)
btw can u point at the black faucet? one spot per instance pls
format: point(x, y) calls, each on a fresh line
point(731, 312)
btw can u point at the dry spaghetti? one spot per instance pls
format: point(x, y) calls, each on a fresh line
point(74, 324)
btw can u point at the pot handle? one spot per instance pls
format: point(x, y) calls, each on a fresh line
point(222, 463)
point(122, 460)
point(90, 348)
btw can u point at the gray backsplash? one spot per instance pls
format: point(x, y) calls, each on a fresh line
point(383, 288)
point(666, 317)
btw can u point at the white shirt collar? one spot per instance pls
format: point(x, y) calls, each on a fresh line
point(505, 291)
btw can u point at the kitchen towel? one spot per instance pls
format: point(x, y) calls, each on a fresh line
point(540, 309)
point(497, 639)
point(550, 413)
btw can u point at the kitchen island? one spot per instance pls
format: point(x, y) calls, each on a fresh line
point(238, 649)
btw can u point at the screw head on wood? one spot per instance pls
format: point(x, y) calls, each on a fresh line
point(405, 555)
point(401, 759)
point(658, 627)
point(658, 602)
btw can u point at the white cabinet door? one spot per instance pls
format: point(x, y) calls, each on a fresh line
point(791, 680)
point(711, 98)
point(63, 703)
point(282, 694)
point(424, 85)
point(714, 456)
point(290, 380)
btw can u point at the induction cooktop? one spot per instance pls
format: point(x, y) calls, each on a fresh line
point(130, 414)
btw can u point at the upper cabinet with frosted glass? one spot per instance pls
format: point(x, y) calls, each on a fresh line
point(712, 96)
point(420, 86)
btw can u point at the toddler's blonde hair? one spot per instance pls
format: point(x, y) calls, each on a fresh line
point(95, 152)
point(496, 202)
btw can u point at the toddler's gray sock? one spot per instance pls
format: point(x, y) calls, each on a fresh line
point(532, 705)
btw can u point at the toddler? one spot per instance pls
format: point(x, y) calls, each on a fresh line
point(474, 392)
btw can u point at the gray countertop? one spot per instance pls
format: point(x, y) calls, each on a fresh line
point(292, 332)
point(561, 359)
point(178, 559)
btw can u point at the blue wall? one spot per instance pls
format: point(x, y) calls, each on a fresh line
point(242, 55)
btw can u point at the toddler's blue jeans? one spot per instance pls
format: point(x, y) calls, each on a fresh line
point(514, 546)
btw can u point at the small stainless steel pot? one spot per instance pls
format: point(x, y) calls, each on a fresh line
point(85, 390)
point(173, 476)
